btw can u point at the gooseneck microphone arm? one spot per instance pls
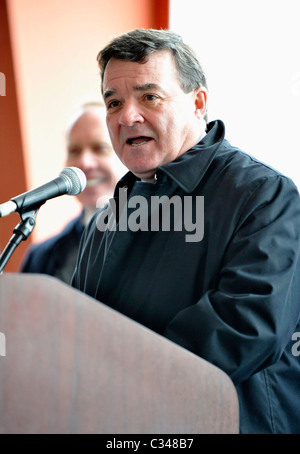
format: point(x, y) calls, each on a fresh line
point(21, 233)
point(71, 181)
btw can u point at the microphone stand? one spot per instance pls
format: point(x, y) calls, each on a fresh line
point(21, 233)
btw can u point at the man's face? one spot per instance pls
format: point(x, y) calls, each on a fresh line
point(89, 148)
point(151, 120)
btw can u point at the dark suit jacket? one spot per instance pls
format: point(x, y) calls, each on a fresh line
point(233, 296)
point(57, 255)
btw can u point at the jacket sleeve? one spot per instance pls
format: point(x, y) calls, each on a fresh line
point(25, 266)
point(244, 324)
point(34, 260)
point(38, 259)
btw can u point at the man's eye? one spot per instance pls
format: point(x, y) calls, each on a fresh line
point(113, 104)
point(101, 149)
point(73, 151)
point(151, 97)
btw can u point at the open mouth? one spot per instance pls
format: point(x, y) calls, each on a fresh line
point(138, 141)
point(95, 181)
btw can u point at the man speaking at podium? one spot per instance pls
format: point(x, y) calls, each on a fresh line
point(201, 241)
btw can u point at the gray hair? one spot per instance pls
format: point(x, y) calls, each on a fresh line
point(138, 44)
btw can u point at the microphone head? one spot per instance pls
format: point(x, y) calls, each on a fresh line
point(77, 179)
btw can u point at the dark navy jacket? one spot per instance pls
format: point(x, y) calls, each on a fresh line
point(233, 297)
point(57, 255)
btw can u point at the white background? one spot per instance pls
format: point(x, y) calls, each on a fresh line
point(250, 52)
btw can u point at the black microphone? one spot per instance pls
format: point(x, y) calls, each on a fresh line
point(71, 181)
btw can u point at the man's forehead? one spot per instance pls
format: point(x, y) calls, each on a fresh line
point(96, 111)
point(143, 76)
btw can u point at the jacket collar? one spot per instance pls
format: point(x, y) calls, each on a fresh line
point(187, 170)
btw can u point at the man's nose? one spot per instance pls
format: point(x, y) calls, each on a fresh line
point(130, 114)
point(87, 159)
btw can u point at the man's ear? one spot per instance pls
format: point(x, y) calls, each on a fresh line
point(200, 99)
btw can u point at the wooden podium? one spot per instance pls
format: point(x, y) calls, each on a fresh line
point(75, 366)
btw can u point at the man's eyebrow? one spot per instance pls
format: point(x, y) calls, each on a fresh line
point(108, 93)
point(143, 87)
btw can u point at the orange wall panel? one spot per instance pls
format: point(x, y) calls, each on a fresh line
point(13, 181)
